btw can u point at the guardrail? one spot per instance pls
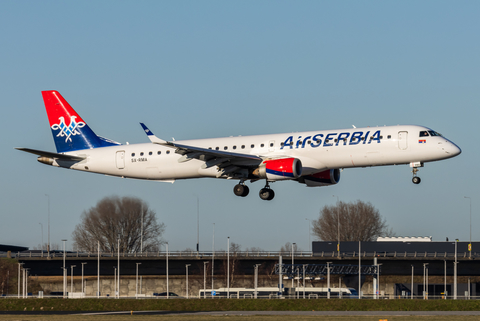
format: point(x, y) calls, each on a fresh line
point(243, 254)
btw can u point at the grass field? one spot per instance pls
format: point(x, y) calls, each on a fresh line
point(230, 318)
point(196, 305)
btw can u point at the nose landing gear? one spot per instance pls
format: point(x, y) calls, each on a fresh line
point(415, 179)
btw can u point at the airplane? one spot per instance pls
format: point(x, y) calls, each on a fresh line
point(313, 158)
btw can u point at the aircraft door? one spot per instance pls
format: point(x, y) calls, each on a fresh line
point(402, 140)
point(120, 159)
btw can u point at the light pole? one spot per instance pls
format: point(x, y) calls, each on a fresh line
point(304, 280)
point(48, 245)
point(41, 247)
point(424, 281)
point(98, 269)
point(338, 226)
point(359, 270)
point(118, 264)
point(71, 278)
point(293, 261)
point(198, 226)
point(228, 267)
point(136, 282)
point(213, 255)
point(455, 273)
point(411, 288)
point(204, 278)
point(115, 279)
point(83, 263)
point(328, 280)
point(141, 231)
point(470, 244)
point(168, 293)
point(19, 278)
point(256, 279)
point(64, 270)
point(186, 284)
point(445, 279)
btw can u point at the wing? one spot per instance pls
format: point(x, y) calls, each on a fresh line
point(229, 164)
point(51, 155)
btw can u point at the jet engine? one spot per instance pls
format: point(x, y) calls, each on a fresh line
point(279, 169)
point(325, 178)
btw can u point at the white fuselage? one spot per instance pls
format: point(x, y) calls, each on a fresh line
point(317, 150)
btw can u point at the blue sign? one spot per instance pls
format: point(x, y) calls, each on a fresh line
point(214, 293)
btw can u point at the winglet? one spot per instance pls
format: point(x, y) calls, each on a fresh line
point(154, 139)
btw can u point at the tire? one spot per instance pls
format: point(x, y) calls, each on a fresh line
point(416, 180)
point(239, 190)
point(266, 194)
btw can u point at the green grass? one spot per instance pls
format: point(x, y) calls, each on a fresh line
point(235, 305)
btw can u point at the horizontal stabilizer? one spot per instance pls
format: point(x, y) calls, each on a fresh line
point(51, 155)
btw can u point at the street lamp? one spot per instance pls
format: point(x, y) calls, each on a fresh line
point(425, 291)
point(411, 290)
point(470, 244)
point(204, 278)
point(48, 245)
point(71, 278)
point(256, 279)
point(41, 247)
point(83, 263)
point(19, 278)
point(455, 273)
point(136, 282)
point(64, 269)
point(213, 255)
point(293, 275)
point(338, 227)
point(118, 263)
point(166, 249)
point(228, 267)
point(328, 280)
point(186, 285)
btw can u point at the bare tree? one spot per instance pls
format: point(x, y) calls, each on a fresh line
point(357, 221)
point(234, 249)
point(116, 218)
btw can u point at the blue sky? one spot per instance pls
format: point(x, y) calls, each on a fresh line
point(200, 69)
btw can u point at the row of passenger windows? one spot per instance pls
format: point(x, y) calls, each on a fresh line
point(263, 145)
point(151, 153)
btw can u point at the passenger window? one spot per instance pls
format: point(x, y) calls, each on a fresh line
point(423, 133)
point(252, 146)
point(335, 140)
point(243, 146)
point(389, 136)
point(225, 148)
point(234, 147)
point(159, 152)
point(261, 145)
point(216, 148)
point(309, 142)
point(381, 137)
point(150, 153)
point(133, 154)
point(271, 144)
point(141, 154)
point(168, 152)
point(327, 140)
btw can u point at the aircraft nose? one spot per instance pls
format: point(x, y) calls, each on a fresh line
point(452, 149)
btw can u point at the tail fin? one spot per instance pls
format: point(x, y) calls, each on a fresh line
point(76, 134)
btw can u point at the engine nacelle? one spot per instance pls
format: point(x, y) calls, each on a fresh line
point(325, 178)
point(279, 169)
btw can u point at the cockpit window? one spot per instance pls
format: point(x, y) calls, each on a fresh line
point(432, 133)
point(423, 133)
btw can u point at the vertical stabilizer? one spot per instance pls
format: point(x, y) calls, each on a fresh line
point(70, 131)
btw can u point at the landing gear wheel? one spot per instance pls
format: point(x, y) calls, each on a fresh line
point(267, 194)
point(241, 190)
point(416, 180)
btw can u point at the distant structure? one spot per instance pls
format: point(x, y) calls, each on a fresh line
point(12, 248)
point(405, 239)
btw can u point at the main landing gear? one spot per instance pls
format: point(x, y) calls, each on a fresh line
point(266, 193)
point(415, 179)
